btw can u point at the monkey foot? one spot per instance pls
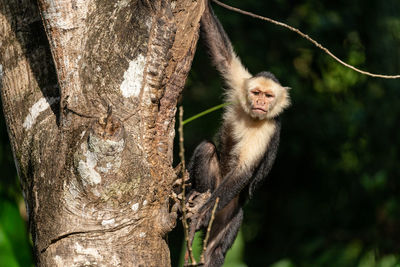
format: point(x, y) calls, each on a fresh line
point(176, 197)
point(179, 181)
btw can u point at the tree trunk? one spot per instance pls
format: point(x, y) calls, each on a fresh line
point(89, 90)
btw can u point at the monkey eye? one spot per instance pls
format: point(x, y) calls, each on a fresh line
point(269, 95)
point(255, 92)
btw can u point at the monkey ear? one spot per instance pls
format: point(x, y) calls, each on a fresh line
point(288, 88)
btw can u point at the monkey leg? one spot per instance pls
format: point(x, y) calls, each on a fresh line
point(221, 240)
point(204, 172)
point(204, 168)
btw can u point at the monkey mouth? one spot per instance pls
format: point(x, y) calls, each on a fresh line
point(259, 110)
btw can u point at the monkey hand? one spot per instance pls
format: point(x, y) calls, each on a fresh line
point(195, 201)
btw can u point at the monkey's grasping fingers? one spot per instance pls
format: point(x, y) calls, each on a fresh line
point(195, 202)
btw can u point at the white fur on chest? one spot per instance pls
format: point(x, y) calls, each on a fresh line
point(252, 138)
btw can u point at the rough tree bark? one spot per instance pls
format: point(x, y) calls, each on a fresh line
point(89, 90)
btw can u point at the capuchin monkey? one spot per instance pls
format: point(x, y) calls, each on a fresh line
point(248, 143)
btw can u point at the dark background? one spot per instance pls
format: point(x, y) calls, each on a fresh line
point(332, 198)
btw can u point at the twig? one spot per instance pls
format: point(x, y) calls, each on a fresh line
point(183, 171)
point(308, 38)
point(201, 114)
point(209, 230)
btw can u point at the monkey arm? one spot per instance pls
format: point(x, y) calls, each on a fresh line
point(234, 182)
point(221, 50)
point(217, 40)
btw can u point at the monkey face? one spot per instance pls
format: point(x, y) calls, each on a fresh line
point(265, 97)
point(261, 99)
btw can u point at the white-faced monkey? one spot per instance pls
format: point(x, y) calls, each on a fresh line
point(248, 142)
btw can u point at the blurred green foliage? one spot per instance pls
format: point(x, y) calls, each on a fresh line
point(332, 198)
